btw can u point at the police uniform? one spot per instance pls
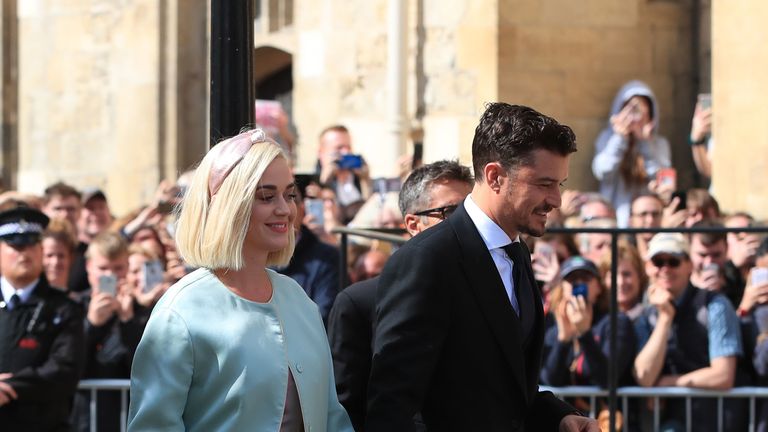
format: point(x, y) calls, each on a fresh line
point(41, 339)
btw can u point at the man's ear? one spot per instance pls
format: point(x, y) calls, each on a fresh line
point(412, 224)
point(492, 174)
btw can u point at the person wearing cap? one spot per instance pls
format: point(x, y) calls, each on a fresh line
point(576, 346)
point(95, 215)
point(688, 337)
point(41, 331)
point(235, 345)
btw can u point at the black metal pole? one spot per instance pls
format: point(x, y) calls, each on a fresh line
point(612, 372)
point(232, 87)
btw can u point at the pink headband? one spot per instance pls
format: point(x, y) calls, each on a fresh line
point(230, 153)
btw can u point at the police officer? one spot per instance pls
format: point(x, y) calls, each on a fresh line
point(41, 331)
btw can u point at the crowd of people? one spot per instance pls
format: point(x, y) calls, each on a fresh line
point(79, 286)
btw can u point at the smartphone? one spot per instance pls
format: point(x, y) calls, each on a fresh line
point(666, 177)
point(152, 274)
point(314, 207)
point(108, 284)
point(683, 199)
point(759, 275)
point(705, 100)
point(712, 268)
point(580, 290)
point(350, 161)
point(383, 185)
point(164, 207)
point(545, 250)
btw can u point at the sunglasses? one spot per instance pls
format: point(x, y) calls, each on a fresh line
point(671, 262)
point(439, 212)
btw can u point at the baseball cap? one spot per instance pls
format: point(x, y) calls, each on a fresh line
point(22, 226)
point(575, 263)
point(669, 243)
point(90, 193)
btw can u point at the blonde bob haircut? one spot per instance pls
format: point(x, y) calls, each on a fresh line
point(211, 230)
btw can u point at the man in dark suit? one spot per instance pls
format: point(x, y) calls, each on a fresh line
point(460, 326)
point(41, 332)
point(429, 194)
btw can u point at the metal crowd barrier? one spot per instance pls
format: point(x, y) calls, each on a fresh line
point(388, 235)
point(96, 385)
point(592, 393)
point(657, 393)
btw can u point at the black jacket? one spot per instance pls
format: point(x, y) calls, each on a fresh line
point(449, 344)
point(41, 344)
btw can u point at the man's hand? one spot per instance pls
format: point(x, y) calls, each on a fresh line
point(672, 217)
point(662, 300)
point(101, 309)
point(7, 393)
point(701, 125)
point(565, 330)
point(753, 294)
point(574, 423)
point(579, 313)
point(545, 267)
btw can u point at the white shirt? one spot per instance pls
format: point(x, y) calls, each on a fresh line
point(23, 292)
point(495, 239)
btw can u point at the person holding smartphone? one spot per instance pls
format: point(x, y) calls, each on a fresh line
point(629, 151)
point(111, 329)
point(701, 135)
point(234, 345)
point(576, 347)
point(347, 173)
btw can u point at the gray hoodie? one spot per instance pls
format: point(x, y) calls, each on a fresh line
point(610, 148)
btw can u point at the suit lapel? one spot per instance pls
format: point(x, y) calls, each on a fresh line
point(488, 289)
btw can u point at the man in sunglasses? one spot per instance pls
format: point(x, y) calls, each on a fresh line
point(430, 194)
point(460, 322)
point(688, 337)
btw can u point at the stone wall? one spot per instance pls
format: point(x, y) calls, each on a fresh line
point(100, 94)
point(568, 59)
point(739, 93)
point(564, 58)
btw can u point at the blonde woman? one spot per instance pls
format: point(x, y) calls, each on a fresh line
point(233, 345)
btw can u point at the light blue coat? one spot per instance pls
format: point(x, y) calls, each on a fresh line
point(210, 360)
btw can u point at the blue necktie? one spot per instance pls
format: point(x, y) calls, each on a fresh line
point(13, 302)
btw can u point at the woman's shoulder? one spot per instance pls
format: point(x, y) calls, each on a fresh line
point(191, 285)
point(286, 284)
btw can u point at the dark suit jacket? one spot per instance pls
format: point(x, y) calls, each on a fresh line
point(448, 342)
point(350, 333)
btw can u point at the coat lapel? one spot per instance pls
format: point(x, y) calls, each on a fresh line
point(488, 289)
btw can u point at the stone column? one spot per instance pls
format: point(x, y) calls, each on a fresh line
point(739, 92)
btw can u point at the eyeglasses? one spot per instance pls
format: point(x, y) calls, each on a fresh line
point(439, 212)
point(671, 262)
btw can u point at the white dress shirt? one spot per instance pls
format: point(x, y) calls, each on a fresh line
point(495, 239)
point(23, 292)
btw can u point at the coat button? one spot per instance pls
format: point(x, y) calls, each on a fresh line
point(299, 368)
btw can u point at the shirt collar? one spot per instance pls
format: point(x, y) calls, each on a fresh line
point(24, 292)
point(493, 236)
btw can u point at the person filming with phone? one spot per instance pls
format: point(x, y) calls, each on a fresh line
point(346, 172)
point(111, 332)
point(701, 135)
point(630, 151)
point(576, 346)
